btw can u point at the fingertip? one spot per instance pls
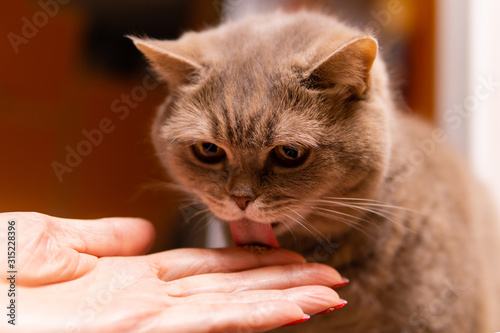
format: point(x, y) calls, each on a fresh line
point(314, 299)
point(147, 229)
point(137, 235)
point(273, 314)
point(326, 275)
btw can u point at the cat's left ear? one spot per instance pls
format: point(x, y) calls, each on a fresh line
point(173, 68)
point(347, 70)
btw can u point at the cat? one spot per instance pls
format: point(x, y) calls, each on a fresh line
point(285, 126)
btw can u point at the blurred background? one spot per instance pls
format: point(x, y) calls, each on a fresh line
point(77, 100)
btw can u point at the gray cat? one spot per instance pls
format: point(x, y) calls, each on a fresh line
point(284, 126)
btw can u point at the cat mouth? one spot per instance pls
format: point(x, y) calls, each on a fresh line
point(248, 232)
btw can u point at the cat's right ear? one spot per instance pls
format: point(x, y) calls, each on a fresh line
point(174, 69)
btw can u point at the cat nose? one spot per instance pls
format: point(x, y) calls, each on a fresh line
point(242, 202)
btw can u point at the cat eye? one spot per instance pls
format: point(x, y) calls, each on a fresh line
point(290, 156)
point(208, 152)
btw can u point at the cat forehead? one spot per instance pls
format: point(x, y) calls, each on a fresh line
point(254, 109)
point(253, 128)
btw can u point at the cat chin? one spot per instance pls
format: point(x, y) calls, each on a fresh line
point(278, 224)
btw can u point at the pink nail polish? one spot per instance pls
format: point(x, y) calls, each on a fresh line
point(343, 283)
point(296, 322)
point(336, 307)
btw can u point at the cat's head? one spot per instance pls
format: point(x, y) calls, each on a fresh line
point(268, 116)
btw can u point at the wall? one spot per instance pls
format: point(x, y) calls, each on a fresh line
point(468, 83)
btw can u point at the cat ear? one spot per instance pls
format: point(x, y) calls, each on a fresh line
point(347, 70)
point(173, 68)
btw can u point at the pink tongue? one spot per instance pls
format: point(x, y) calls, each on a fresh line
point(246, 232)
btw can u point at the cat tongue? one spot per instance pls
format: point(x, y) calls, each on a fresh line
point(247, 232)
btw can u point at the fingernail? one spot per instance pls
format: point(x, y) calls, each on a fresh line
point(336, 307)
point(343, 283)
point(296, 322)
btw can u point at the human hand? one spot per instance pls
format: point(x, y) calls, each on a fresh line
point(52, 250)
point(64, 286)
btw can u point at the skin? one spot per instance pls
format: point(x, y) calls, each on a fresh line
point(89, 276)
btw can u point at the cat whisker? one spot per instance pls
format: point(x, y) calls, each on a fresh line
point(341, 213)
point(188, 203)
point(191, 204)
point(348, 219)
point(160, 185)
point(356, 199)
point(377, 211)
point(370, 202)
point(288, 227)
point(388, 215)
point(310, 228)
point(192, 217)
point(202, 222)
point(351, 223)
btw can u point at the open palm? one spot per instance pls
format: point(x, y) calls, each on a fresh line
point(82, 276)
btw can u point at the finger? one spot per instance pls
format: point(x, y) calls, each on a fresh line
point(311, 299)
point(251, 317)
point(116, 236)
point(176, 264)
point(273, 277)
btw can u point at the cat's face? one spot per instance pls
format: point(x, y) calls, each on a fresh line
point(265, 141)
